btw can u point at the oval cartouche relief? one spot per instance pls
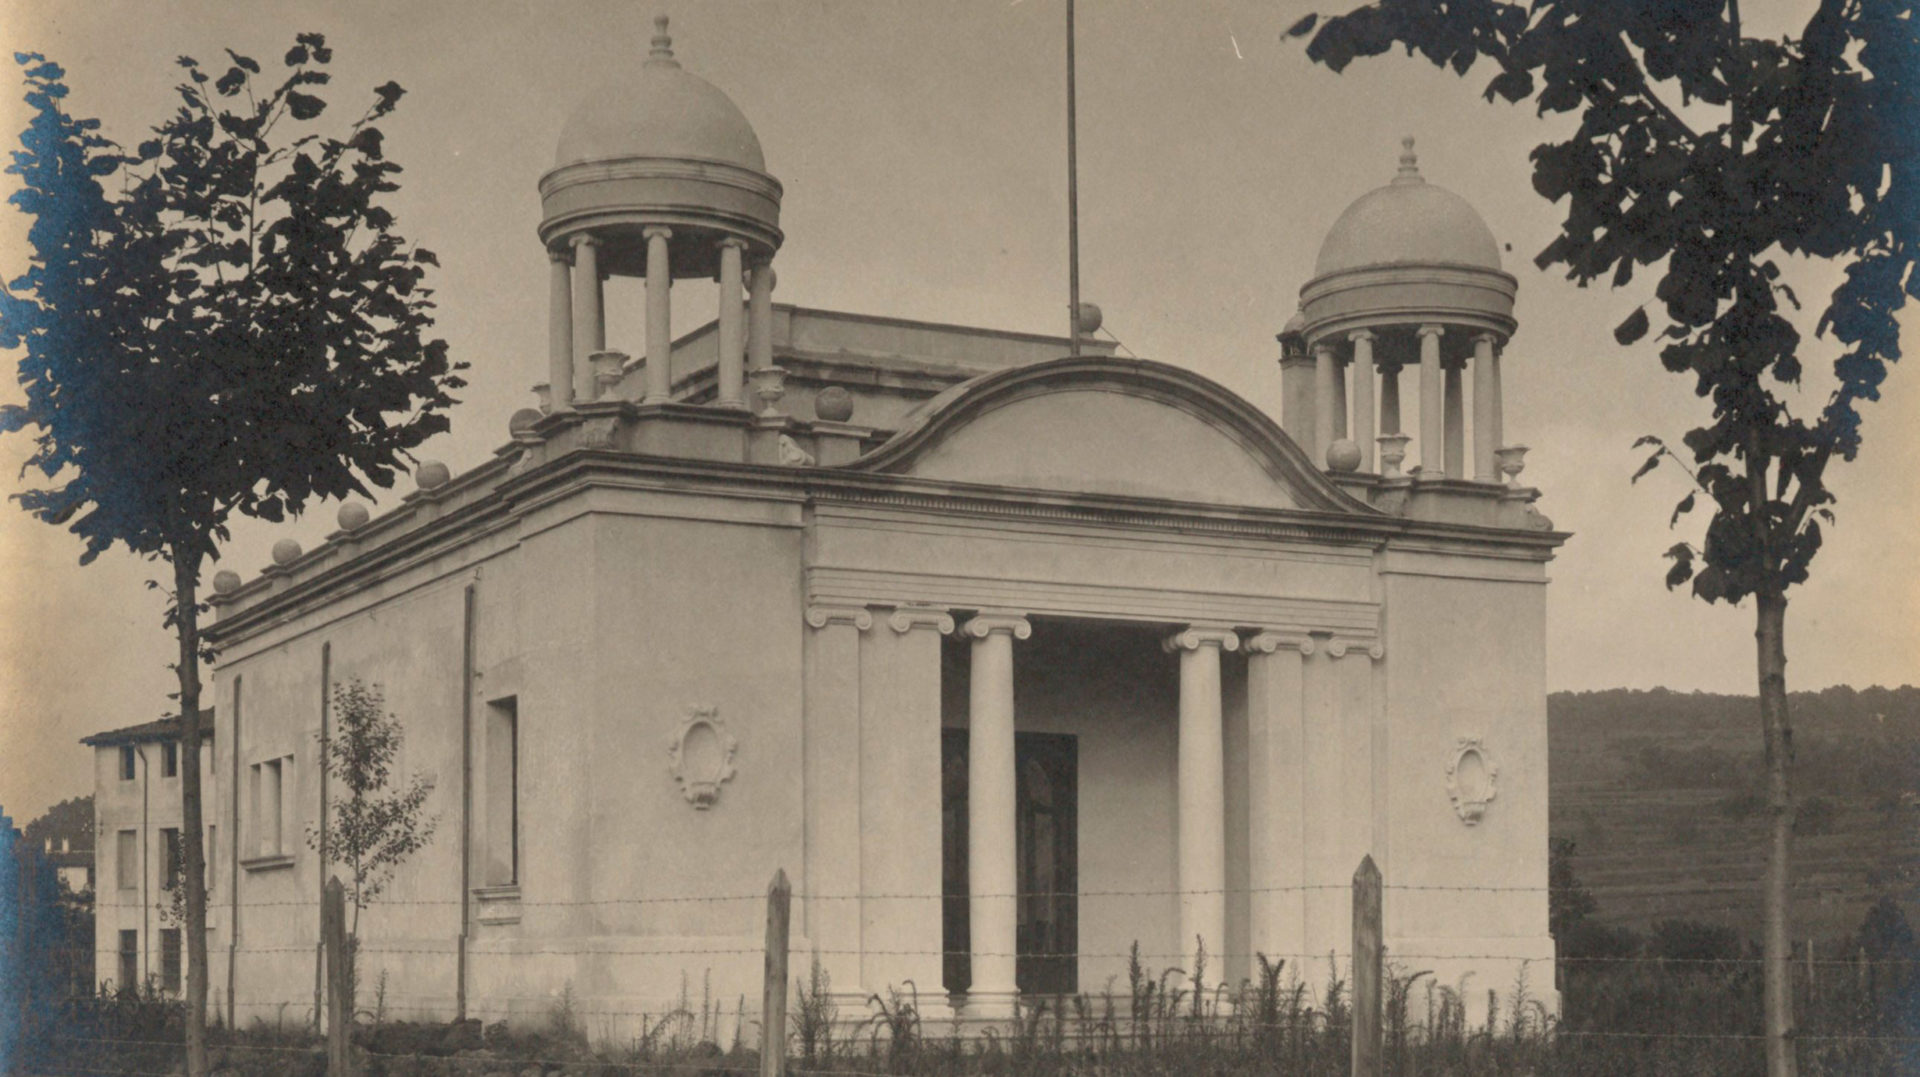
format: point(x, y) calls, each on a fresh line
point(1471, 779)
point(701, 756)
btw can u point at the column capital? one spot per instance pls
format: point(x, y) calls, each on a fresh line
point(858, 616)
point(560, 255)
point(907, 618)
point(1194, 637)
point(1321, 347)
point(1431, 331)
point(1338, 648)
point(583, 239)
point(656, 231)
point(1269, 642)
point(1490, 337)
point(1359, 335)
point(981, 625)
point(732, 241)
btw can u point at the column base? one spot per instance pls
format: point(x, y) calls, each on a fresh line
point(975, 1007)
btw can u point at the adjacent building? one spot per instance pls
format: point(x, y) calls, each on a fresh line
point(1009, 657)
point(139, 922)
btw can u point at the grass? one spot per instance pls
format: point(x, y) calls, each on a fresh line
point(1653, 1018)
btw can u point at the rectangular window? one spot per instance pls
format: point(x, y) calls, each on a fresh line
point(126, 860)
point(269, 789)
point(503, 793)
point(126, 763)
point(172, 855)
point(169, 759)
point(170, 959)
point(129, 960)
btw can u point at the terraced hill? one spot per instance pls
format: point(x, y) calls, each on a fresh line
point(1662, 793)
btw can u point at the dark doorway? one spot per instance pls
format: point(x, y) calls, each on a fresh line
point(1046, 829)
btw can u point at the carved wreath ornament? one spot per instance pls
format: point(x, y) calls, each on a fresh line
point(701, 756)
point(1470, 779)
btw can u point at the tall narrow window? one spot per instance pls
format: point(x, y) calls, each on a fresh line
point(129, 960)
point(503, 793)
point(126, 860)
point(207, 857)
point(126, 763)
point(170, 959)
point(171, 857)
point(267, 792)
point(170, 759)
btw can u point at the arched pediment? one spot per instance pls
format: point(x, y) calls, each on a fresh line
point(1098, 425)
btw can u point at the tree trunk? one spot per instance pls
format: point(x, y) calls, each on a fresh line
point(193, 831)
point(1770, 635)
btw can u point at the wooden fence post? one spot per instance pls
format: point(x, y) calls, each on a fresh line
point(773, 994)
point(1367, 960)
point(333, 937)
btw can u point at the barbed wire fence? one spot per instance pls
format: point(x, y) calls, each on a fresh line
point(1363, 1018)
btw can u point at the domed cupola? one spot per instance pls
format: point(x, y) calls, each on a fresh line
point(658, 175)
point(1408, 275)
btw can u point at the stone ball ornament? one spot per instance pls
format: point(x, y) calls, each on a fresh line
point(700, 756)
point(353, 516)
point(431, 475)
point(286, 552)
point(523, 421)
point(1343, 455)
point(1472, 779)
point(226, 581)
point(834, 404)
point(1087, 318)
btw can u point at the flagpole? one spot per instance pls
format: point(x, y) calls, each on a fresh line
point(1073, 204)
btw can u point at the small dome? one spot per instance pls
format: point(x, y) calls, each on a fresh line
point(1408, 221)
point(659, 109)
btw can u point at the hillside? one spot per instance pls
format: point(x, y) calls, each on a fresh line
point(1662, 793)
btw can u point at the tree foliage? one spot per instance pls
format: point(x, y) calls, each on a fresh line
point(379, 822)
point(236, 327)
point(1814, 151)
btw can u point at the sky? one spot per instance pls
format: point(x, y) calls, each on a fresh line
point(922, 150)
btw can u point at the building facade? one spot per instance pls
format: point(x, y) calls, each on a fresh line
point(139, 923)
point(1010, 658)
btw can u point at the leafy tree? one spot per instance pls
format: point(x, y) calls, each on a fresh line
point(379, 823)
point(235, 327)
point(1805, 146)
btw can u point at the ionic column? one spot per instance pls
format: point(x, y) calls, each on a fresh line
point(1390, 399)
point(589, 322)
point(1432, 458)
point(1485, 428)
point(1202, 787)
point(1499, 407)
point(659, 316)
point(732, 369)
point(1362, 375)
point(1456, 425)
point(1324, 377)
point(760, 317)
point(992, 867)
point(560, 328)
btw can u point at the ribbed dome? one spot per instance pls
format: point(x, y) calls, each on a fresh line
point(1408, 221)
point(659, 110)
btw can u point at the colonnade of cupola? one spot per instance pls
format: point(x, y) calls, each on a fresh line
point(1407, 282)
point(659, 177)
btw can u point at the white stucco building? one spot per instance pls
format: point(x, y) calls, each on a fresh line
point(1010, 658)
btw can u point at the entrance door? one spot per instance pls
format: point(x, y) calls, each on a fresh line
point(1046, 823)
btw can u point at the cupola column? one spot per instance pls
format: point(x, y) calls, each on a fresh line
point(760, 316)
point(1362, 374)
point(1390, 398)
point(589, 324)
point(1456, 424)
point(1324, 376)
point(1432, 458)
point(731, 391)
point(1486, 426)
point(559, 328)
point(659, 315)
